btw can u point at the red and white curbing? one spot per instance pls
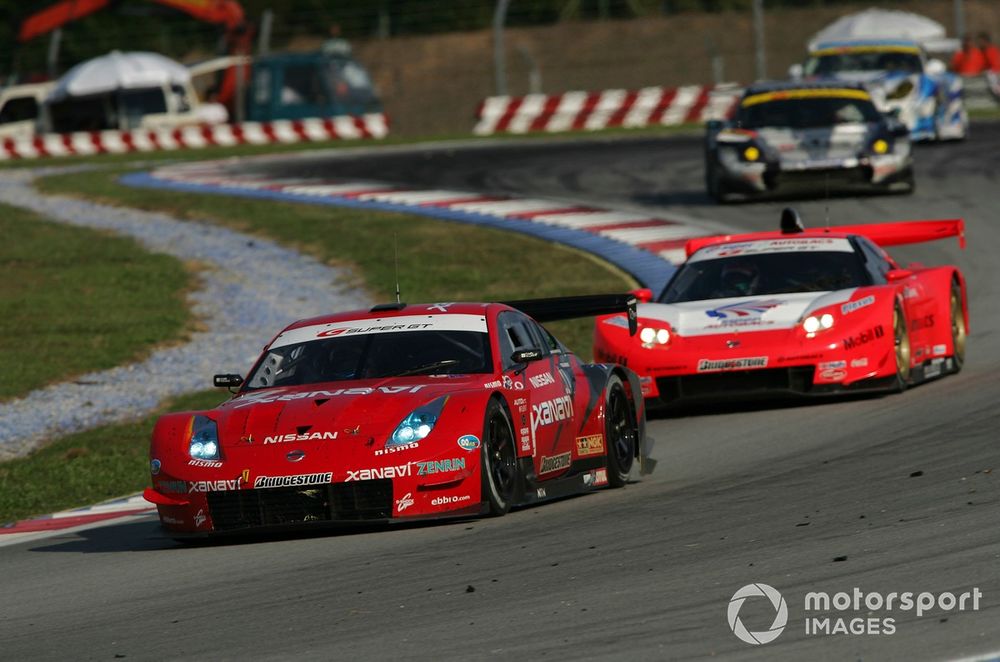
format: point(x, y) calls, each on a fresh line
point(663, 237)
point(196, 137)
point(78, 518)
point(592, 111)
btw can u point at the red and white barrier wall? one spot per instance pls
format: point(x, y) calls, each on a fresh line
point(196, 137)
point(591, 111)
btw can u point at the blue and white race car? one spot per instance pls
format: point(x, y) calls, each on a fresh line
point(902, 81)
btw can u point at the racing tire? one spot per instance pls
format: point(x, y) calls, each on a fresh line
point(911, 185)
point(901, 344)
point(498, 459)
point(959, 329)
point(906, 185)
point(621, 432)
point(713, 183)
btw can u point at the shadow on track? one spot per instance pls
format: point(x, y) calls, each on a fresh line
point(773, 403)
point(698, 197)
point(147, 536)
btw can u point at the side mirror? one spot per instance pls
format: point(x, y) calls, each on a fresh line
point(896, 275)
point(935, 67)
point(526, 355)
point(713, 126)
point(795, 71)
point(227, 381)
point(643, 294)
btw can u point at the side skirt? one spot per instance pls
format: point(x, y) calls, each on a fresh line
point(581, 477)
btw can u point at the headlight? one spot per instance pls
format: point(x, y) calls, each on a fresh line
point(418, 423)
point(880, 146)
point(814, 323)
point(751, 153)
point(901, 91)
point(203, 435)
point(654, 336)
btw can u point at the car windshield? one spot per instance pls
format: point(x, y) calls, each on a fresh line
point(765, 273)
point(805, 113)
point(372, 356)
point(831, 64)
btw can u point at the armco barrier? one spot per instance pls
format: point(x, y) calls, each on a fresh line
point(195, 137)
point(590, 111)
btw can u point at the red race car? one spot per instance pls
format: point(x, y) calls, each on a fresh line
point(799, 311)
point(403, 412)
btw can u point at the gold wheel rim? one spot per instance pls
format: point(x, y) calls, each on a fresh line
point(902, 339)
point(957, 326)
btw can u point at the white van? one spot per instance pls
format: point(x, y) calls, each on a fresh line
point(20, 107)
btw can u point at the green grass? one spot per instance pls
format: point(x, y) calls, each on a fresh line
point(86, 467)
point(984, 113)
point(74, 300)
point(438, 260)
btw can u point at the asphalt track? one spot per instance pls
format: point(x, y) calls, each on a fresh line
point(894, 493)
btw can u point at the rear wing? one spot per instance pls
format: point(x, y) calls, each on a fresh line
point(883, 234)
point(589, 305)
point(906, 232)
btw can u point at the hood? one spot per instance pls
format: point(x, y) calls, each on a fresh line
point(865, 77)
point(842, 141)
point(873, 78)
point(740, 314)
point(333, 410)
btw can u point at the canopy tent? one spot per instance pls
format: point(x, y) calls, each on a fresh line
point(887, 24)
point(116, 71)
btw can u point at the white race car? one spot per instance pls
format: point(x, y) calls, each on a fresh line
point(787, 135)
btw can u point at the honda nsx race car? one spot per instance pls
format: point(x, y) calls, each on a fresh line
point(903, 81)
point(819, 135)
point(805, 312)
point(403, 412)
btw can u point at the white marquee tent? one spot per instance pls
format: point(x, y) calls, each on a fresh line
point(887, 24)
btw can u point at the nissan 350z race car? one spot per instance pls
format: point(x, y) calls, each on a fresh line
point(785, 136)
point(401, 413)
point(805, 312)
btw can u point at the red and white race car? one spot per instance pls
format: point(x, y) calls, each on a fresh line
point(800, 311)
point(403, 412)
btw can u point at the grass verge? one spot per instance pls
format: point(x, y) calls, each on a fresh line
point(438, 260)
point(74, 300)
point(86, 467)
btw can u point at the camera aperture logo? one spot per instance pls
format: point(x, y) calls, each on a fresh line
point(757, 591)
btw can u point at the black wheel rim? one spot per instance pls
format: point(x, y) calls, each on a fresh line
point(500, 454)
point(621, 433)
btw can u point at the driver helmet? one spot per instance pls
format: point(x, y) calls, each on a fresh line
point(740, 277)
